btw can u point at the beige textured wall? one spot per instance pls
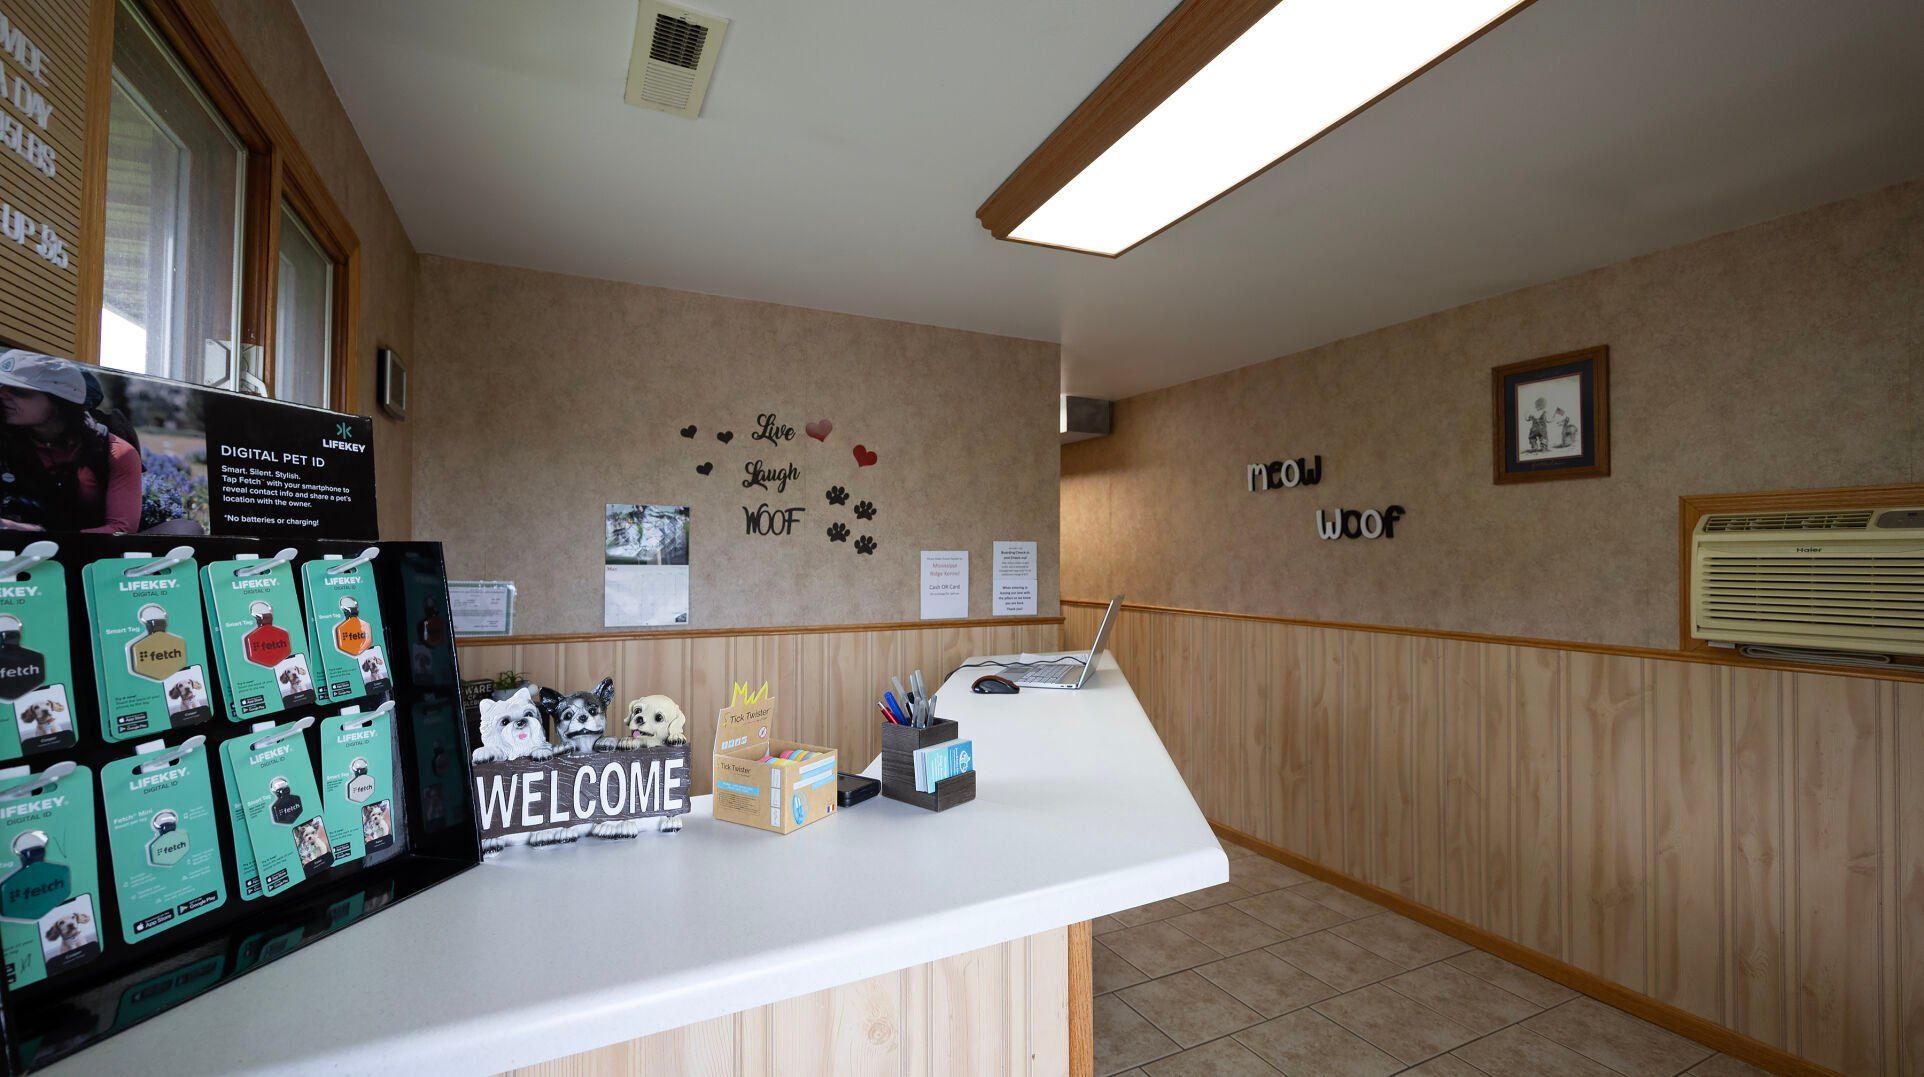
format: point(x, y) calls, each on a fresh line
point(1785, 355)
point(543, 397)
point(275, 43)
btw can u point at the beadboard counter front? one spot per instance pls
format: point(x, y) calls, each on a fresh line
point(544, 954)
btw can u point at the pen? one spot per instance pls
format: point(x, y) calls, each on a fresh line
point(886, 713)
point(889, 697)
point(900, 693)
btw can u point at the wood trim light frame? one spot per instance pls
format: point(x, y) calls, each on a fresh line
point(1186, 41)
point(1693, 508)
point(278, 170)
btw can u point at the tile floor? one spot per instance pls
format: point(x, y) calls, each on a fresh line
point(1273, 972)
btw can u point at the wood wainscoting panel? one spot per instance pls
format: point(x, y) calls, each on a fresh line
point(825, 683)
point(1001, 1010)
point(1735, 844)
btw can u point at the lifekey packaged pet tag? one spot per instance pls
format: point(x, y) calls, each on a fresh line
point(48, 878)
point(344, 619)
point(260, 639)
point(150, 654)
point(160, 830)
point(357, 782)
point(272, 783)
point(36, 704)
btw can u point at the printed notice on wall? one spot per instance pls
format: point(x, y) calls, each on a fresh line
point(1014, 588)
point(945, 585)
point(481, 607)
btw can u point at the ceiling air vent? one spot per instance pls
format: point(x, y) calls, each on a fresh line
point(674, 56)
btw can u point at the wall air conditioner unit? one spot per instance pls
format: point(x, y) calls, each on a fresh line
point(1837, 580)
point(674, 58)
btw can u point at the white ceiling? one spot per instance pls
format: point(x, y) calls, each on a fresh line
point(845, 146)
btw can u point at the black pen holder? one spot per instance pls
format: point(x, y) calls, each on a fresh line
point(899, 745)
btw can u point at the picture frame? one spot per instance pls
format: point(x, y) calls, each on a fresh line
point(1550, 417)
point(392, 386)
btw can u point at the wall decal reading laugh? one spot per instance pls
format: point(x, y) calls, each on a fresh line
point(1369, 524)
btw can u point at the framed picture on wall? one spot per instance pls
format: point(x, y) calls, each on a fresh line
point(1552, 417)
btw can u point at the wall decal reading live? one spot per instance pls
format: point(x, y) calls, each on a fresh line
point(704, 469)
point(725, 436)
point(771, 431)
point(819, 429)
point(838, 532)
point(865, 544)
point(863, 457)
point(766, 521)
point(1286, 474)
point(837, 496)
point(1368, 524)
point(864, 510)
point(759, 476)
point(688, 431)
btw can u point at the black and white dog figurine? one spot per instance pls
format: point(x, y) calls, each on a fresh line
point(581, 726)
point(581, 718)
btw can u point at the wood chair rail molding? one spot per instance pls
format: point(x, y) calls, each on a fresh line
point(1694, 507)
point(1704, 656)
point(1186, 40)
point(1682, 1022)
point(774, 630)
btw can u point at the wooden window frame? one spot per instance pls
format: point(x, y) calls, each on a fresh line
point(277, 170)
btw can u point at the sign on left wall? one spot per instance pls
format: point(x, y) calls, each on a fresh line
point(204, 461)
point(43, 94)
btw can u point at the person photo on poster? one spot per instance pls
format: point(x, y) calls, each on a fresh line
point(645, 565)
point(65, 464)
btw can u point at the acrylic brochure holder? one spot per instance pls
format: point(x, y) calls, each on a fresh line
point(426, 832)
point(899, 745)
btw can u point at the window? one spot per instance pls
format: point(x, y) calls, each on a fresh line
point(176, 175)
point(303, 315)
point(226, 263)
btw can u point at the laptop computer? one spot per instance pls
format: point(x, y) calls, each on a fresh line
point(1069, 671)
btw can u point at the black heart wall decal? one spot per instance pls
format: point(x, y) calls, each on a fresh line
point(725, 436)
point(688, 431)
point(705, 468)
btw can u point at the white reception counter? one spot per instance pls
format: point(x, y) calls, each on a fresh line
point(542, 954)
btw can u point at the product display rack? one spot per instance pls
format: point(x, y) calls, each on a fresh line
point(435, 831)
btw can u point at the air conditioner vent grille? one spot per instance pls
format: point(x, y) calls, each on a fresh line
point(1864, 592)
point(1850, 520)
point(677, 41)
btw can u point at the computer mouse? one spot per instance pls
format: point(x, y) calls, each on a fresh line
point(993, 685)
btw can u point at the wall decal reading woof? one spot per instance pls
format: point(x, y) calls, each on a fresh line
point(1286, 474)
point(766, 521)
point(1369, 524)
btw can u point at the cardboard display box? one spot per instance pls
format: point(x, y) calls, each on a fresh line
point(779, 795)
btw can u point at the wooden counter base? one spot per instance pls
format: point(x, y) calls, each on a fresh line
point(998, 1010)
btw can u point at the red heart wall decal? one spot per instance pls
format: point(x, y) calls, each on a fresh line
point(819, 429)
point(863, 457)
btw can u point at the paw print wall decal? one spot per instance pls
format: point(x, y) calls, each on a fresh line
point(837, 496)
point(865, 544)
point(838, 532)
point(864, 510)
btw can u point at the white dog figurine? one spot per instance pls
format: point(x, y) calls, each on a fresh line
point(513, 728)
point(655, 722)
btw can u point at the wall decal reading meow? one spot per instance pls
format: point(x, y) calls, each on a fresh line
point(1286, 474)
point(1369, 524)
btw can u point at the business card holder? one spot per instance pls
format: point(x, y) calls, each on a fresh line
point(899, 745)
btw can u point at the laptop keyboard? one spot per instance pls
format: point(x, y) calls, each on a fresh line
point(1055, 673)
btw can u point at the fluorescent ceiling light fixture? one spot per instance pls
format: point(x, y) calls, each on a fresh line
point(1300, 70)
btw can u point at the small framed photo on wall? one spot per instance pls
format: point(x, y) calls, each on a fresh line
point(1552, 417)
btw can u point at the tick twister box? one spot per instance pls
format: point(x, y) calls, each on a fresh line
point(781, 795)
